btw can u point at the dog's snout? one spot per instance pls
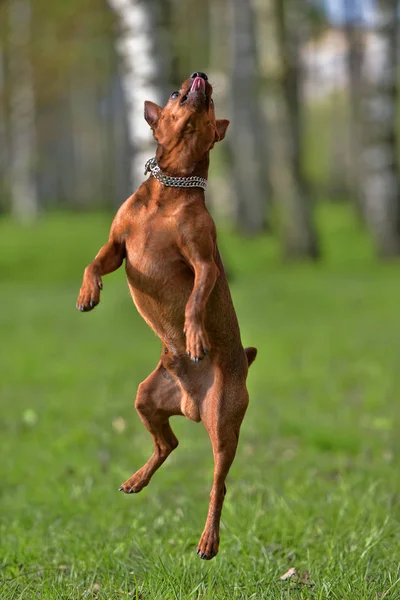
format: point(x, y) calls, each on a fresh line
point(199, 74)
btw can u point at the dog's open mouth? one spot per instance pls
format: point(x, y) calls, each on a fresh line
point(196, 90)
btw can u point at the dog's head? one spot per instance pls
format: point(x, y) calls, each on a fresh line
point(186, 128)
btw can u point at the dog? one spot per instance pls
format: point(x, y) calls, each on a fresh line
point(167, 238)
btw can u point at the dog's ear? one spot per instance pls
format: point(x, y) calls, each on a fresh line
point(151, 112)
point(221, 125)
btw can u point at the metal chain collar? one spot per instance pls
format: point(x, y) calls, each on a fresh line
point(179, 182)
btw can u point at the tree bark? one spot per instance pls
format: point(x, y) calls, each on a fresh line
point(220, 188)
point(22, 113)
point(381, 182)
point(141, 46)
point(298, 232)
point(354, 70)
point(3, 134)
point(248, 132)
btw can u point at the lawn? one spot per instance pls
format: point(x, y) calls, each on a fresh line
point(316, 482)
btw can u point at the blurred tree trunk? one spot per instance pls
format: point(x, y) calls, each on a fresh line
point(381, 182)
point(142, 47)
point(299, 235)
point(339, 143)
point(3, 134)
point(248, 134)
point(220, 189)
point(189, 34)
point(22, 126)
point(354, 70)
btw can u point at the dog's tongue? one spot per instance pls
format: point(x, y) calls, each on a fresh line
point(198, 85)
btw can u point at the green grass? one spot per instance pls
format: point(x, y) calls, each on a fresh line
point(315, 484)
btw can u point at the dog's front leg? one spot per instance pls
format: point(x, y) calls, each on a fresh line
point(197, 342)
point(198, 246)
point(109, 259)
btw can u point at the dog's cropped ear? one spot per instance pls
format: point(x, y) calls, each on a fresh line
point(221, 125)
point(151, 112)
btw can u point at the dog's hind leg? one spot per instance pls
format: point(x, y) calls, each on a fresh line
point(222, 417)
point(158, 398)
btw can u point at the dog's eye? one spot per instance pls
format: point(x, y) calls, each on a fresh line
point(175, 94)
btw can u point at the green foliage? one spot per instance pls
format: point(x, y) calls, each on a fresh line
point(66, 36)
point(315, 484)
point(72, 35)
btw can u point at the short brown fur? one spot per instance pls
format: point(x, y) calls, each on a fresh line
point(178, 284)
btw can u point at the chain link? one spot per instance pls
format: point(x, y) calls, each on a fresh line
point(180, 182)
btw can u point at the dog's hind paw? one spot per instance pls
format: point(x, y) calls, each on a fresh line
point(205, 556)
point(133, 485)
point(208, 545)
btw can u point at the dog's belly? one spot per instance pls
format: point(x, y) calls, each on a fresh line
point(160, 287)
point(161, 282)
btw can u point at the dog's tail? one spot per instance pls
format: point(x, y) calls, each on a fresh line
point(251, 354)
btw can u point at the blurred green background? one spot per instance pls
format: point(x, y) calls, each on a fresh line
point(311, 248)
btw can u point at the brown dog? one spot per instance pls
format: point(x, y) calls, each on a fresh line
point(178, 284)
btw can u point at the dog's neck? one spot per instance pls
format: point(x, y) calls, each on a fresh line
point(180, 165)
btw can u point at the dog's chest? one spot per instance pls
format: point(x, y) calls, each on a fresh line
point(153, 258)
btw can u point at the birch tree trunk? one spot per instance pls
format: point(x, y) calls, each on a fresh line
point(298, 232)
point(22, 125)
point(141, 46)
point(248, 134)
point(381, 182)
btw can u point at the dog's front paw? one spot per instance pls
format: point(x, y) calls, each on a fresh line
point(197, 342)
point(89, 295)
